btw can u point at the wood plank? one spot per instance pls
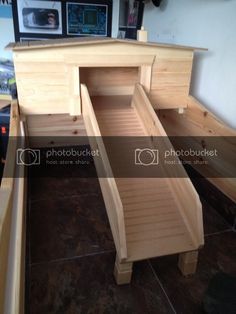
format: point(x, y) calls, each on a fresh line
point(165, 229)
point(109, 81)
point(198, 121)
point(152, 197)
point(144, 191)
point(69, 42)
point(43, 125)
point(171, 82)
point(146, 113)
point(168, 79)
point(6, 196)
point(109, 60)
point(108, 185)
point(148, 205)
point(172, 99)
point(37, 106)
point(54, 130)
point(145, 77)
point(36, 67)
point(15, 297)
point(5, 225)
point(178, 187)
point(74, 90)
point(107, 101)
point(150, 210)
point(45, 78)
point(200, 115)
point(152, 222)
point(172, 65)
point(160, 247)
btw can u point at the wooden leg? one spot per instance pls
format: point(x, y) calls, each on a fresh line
point(188, 262)
point(122, 272)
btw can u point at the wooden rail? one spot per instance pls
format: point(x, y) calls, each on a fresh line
point(6, 201)
point(198, 122)
point(108, 184)
point(185, 195)
point(12, 226)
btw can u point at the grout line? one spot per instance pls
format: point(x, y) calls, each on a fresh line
point(67, 259)
point(219, 232)
point(162, 287)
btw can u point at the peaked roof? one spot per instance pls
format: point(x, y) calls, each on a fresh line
point(67, 42)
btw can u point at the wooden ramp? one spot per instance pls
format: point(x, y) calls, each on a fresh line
point(149, 217)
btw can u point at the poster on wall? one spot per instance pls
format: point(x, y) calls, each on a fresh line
point(44, 17)
point(86, 19)
point(133, 13)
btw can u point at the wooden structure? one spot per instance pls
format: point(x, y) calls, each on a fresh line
point(80, 87)
point(12, 224)
point(148, 216)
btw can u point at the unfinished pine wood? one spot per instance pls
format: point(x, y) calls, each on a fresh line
point(148, 216)
point(108, 185)
point(112, 60)
point(156, 221)
point(47, 78)
point(86, 41)
point(108, 81)
point(188, 263)
point(170, 82)
point(15, 292)
point(200, 122)
point(6, 196)
point(145, 77)
point(74, 86)
point(54, 130)
point(122, 272)
point(5, 211)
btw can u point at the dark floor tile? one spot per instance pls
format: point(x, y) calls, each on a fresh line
point(213, 221)
point(186, 293)
point(68, 227)
point(86, 285)
point(54, 188)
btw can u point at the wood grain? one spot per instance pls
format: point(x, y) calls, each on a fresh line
point(198, 121)
point(6, 197)
point(155, 211)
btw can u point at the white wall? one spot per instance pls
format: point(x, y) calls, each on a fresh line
point(7, 35)
point(6, 29)
point(204, 23)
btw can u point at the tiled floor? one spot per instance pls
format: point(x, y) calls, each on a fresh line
point(71, 258)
